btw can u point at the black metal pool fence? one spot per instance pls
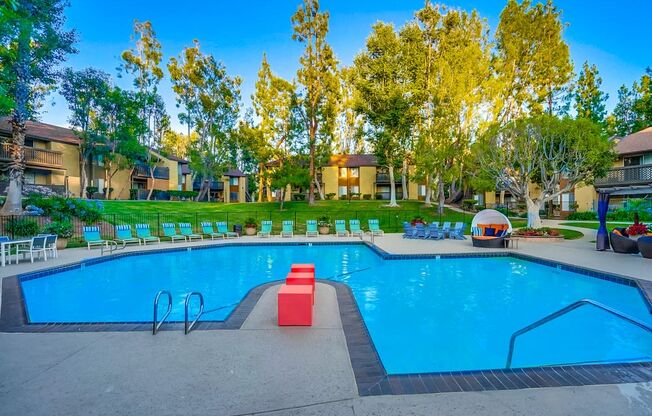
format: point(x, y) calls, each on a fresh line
point(391, 220)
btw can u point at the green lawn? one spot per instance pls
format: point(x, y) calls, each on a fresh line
point(391, 219)
point(570, 234)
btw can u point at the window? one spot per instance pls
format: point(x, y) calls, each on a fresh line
point(632, 161)
point(342, 190)
point(29, 177)
point(355, 189)
point(422, 190)
point(233, 196)
point(342, 172)
point(354, 172)
point(567, 200)
point(100, 184)
point(233, 181)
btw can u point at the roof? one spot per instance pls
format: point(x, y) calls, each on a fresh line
point(639, 142)
point(43, 131)
point(352, 161)
point(177, 159)
point(234, 173)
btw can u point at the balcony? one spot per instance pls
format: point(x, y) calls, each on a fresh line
point(34, 157)
point(160, 172)
point(627, 176)
point(215, 185)
point(384, 178)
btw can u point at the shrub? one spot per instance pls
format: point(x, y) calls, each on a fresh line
point(323, 221)
point(637, 229)
point(583, 216)
point(22, 228)
point(468, 204)
point(63, 229)
point(330, 195)
point(250, 222)
point(90, 190)
point(627, 215)
point(183, 194)
point(355, 195)
point(110, 190)
point(378, 196)
point(298, 197)
point(133, 194)
point(366, 197)
point(60, 208)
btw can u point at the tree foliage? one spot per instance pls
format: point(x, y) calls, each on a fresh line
point(589, 99)
point(633, 112)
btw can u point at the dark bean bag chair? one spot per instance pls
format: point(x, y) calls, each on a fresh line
point(623, 244)
point(645, 247)
point(488, 242)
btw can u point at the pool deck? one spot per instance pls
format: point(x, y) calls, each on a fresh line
point(263, 369)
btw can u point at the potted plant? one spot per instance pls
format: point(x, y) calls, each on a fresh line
point(323, 225)
point(417, 220)
point(250, 226)
point(63, 230)
point(637, 230)
point(90, 191)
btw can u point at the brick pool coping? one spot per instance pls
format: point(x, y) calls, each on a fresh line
point(370, 374)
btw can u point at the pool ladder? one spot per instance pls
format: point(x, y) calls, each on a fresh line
point(187, 325)
point(564, 311)
point(112, 246)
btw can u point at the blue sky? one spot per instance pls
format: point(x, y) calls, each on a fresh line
point(608, 33)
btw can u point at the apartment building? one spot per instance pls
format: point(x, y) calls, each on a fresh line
point(230, 188)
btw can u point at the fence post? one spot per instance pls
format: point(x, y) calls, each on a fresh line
point(158, 224)
point(295, 218)
point(114, 224)
point(13, 227)
point(227, 218)
point(196, 220)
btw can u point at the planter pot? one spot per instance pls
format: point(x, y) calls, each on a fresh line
point(250, 230)
point(417, 222)
point(324, 230)
point(62, 243)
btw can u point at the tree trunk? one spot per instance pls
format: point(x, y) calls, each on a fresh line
point(533, 207)
point(261, 183)
point(151, 188)
point(428, 191)
point(442, 197)
point(392, 188)
point(282, 197)
point(404, 184)
point(83, 177)
point(312, 138)
point(319, 188)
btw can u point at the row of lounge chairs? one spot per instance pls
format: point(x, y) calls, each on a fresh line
point(433, 231)
point(287, 229)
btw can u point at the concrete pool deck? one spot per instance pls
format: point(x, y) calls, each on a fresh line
point(263, 369)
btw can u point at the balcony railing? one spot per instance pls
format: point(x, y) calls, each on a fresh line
point(160, 172)
point(34, 156)
point(630, 175)
point(384, 178)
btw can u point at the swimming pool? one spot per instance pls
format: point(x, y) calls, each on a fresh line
point(423, 315)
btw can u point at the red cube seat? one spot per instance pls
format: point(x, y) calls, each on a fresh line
point(295, 305)
point(302, 279)
point(303, 268)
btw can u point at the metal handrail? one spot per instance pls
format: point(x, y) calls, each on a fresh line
point(564, 311)
point(156, 325)
point(188, 328)
point(112, 245)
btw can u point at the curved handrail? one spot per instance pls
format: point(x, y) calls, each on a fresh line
point(156, 325)
point(188, 328)
point(564, 311)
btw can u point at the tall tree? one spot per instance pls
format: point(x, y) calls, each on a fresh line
point(85, 92)
point(589, 99)
point(349, 131)
point(385, 99)
point(532, 61)
point(543, 150)
point(274, 102)
point(177, 144)
point(183, 71)
point(143, 61)
point(33, 42)
point(633, 112)
point(318, 77)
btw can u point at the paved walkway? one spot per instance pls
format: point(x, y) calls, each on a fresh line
point(263, 369)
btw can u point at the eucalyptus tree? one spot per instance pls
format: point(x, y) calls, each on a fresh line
point(385, 98)
point(633, 111)
point(33, 42)
point(349, 130)
point(543, 150)
point(319, 81)
point(275, 103)
point(532, 61)
point(143, 61)
point(589, 99)
point(455, 63)
point(183, 70)
point(85, 91)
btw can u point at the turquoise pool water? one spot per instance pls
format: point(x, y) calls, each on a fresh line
point(423, 315)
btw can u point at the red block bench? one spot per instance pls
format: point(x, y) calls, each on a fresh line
point(295, 278)
point(295, 305)
point(303, 268)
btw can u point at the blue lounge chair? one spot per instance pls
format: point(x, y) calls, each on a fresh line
point(123, 235)
point(340, 228)
point(445, 228)
point(354, 228)
point(207, 229)
point(287, 229)
point(408, 230)
point(374, 227)
point(93, 238)
point(457, 233)
point(311, 228)
point(265, 229)
point(223, 229)
point(433, 232)
point(186, 231)
point(420, 230)
point(143, 232)
point(170, 231)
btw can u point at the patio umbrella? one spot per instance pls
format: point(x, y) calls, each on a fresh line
point(602, 238)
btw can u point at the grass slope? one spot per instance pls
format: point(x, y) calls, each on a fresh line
point(594, 225)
